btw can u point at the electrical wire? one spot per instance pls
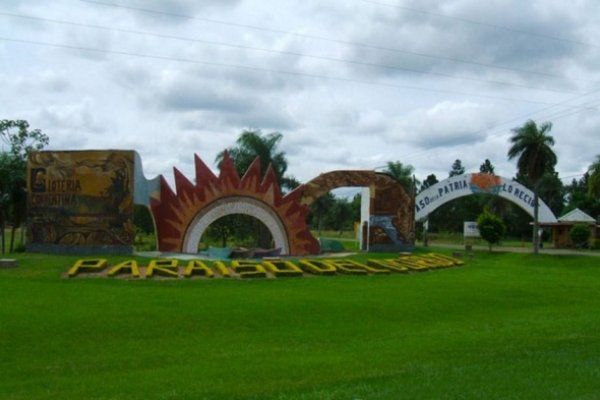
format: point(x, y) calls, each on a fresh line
point(482, 24)
point(270, 70)
point(520, 118)
point(332, 40)
point(272, 51)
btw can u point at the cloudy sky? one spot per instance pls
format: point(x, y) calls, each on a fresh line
point(350, 84)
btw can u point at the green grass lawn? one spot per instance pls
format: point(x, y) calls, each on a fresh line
point(505, 326)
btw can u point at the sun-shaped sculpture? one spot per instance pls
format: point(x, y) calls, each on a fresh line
point(181, 217)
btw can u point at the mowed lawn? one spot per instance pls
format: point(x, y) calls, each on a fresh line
point(504, 326)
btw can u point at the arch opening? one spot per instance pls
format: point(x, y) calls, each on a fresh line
point(335, 218)
point(237, 231)
point(235, 205)
point(389, 214)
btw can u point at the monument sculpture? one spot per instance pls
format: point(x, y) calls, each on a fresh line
point(82, 202)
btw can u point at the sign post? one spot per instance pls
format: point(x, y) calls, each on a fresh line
point(470, 232)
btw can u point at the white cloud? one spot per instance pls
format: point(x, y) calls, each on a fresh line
point(446, 124)
point(168, 109)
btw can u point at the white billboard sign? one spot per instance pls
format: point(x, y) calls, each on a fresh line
point(470, 229)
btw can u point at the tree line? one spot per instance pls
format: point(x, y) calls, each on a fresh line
point(531, 148)
point(19, 141)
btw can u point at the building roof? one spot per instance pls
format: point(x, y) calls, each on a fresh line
point(576, 215)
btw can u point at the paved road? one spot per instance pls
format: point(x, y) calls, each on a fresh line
point(519, 249)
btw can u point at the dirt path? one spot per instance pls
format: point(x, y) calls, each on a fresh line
point(594, 253)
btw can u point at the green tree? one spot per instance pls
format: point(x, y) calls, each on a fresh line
point(579, 196)
point(429, 181)
point(6, 184)
point(532, 146)
point(142, 218)
point(249, 145)
point(341, 214)
point(594, 179)
point(580, 235)
point(21, 139)
point(13, 165)
point(253, 143)
point(449, 217)
point(486, 167)
point(289, 183)
point(457, 169)
point(491, 228)
point(319, 210)
point(403, 174)
point(237, 230)
point(552, 192)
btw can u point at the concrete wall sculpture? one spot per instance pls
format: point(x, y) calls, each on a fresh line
point(181, 216)
point(82, 202)
point(391, 209)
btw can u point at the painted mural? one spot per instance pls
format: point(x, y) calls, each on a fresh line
point(83, 201)
point(80, 200)
point(391, 209)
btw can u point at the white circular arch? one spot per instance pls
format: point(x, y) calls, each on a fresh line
point(235, 205)
point(464, 185)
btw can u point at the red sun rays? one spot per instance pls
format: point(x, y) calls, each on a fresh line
point(175, 211)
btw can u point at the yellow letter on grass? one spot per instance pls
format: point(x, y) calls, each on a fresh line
point(87, 266)
point(126, 267)
point(162, 267)
point(197, 267)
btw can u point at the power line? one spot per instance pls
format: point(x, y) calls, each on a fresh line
point(291, 53)
point(483, 24)
point(262, 69)
point(332, 40)
point(565, 114)
point(555, 116)
point(278, 31)
point(571, 176)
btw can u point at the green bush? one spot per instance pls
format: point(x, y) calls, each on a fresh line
point(580, 235)
point(491, 228)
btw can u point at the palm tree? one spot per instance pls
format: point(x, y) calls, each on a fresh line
point(403, 174)
point(594, 179)
point(532, 146)
point(251, 144)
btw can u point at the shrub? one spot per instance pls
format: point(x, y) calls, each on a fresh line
point(580, 235)
point(491, 228)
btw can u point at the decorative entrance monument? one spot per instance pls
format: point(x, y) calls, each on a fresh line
point(465, 185)
point(82, 202)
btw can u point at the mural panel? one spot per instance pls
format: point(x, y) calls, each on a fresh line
point(392, 215)
point(81, 201)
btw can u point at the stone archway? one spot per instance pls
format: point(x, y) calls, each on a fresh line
point(235, 205)
point(465, 185)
